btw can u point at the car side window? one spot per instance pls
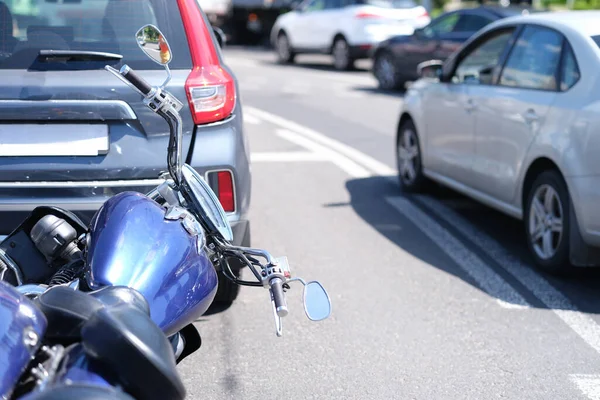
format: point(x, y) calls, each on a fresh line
point(533, 61)
point(442, 25)
point(471, 23)
point(478, 65)
point(570, 71)
point(315, 5)
point(333, 4)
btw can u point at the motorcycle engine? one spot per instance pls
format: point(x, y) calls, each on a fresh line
point(41, 247)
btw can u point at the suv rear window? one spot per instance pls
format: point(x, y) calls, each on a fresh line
point(389, 3)
point(28, 26)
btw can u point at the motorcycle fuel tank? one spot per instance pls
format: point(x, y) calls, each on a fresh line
point(22, 327)
point(132, 244)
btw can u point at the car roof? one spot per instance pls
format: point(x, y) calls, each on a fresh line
point(505, 12)
point(582, 21)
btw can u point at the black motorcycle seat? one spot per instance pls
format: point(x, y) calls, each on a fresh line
point(79, 392)
point(66, 309)
point(128, 342)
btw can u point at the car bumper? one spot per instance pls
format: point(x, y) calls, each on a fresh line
point(585, 195)
point(217, 147)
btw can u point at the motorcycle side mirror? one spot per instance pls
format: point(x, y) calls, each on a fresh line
point(317, 305)
point(154, 44)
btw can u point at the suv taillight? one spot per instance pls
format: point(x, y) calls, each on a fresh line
point(211, 94)
point(210, 89)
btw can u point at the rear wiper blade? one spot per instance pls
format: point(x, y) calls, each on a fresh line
point(78, 55)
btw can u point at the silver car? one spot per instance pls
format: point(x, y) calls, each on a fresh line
point(511, 119)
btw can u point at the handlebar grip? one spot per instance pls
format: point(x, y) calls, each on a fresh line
point(135, 79)
point(279, 297)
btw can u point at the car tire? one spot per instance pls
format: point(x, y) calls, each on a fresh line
point(342, 60)
point(227, 290)
point(385, 71)
point(547, 222)
point(285, 53)
point(408, 157)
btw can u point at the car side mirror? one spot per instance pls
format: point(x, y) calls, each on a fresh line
point(221, 39)
point(430, 69)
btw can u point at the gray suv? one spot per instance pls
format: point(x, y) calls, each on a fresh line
point(72, 136)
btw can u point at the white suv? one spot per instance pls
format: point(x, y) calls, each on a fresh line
point(347, 29)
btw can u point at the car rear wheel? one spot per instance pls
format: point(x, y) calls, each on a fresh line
point(408, 155)
point(285, 54)
point(342, 61)
point(385, 72)
point(547, 224)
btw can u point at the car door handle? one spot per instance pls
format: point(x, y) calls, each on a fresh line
point(470, 106)
point(530, 116)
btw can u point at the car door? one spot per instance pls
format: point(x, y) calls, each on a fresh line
point(467, 25)
point(511, 112)
point(450, 113)
point(302, 30)
point(326, 23)
point(424, 43)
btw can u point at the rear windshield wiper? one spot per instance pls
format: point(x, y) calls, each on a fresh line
point(78, 55)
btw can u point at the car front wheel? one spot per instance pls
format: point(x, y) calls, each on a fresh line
point(408, 154)
point(285, 54)
point(547, 223)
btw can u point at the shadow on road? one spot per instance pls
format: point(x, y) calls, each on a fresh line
point(370, 89)
point(368, 201)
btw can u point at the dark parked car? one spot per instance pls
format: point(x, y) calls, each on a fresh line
point(72, 136)
point(395, 60)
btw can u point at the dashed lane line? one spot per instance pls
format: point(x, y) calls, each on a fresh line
point(487, 279)
point(358, 157)
point(552, 298)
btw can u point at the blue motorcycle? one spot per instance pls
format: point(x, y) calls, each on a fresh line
point(106, 311)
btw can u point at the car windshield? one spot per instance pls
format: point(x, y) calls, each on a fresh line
point(390, 3)
point(29, 26)
point(596, 40)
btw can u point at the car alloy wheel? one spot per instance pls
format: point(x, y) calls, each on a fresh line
point(385, 71)
point(341, 54)
point(408, 157)
point(283, 48)
point(546, 220)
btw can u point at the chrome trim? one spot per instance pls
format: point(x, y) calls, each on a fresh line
point(235, 198)
point(31, 289)
point(10, 264)
point(80, 184)
point(78, 103)
point(29, 204)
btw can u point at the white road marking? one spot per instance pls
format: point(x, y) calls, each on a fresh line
point(346, 164)
point(552, 298)
point(492, 283)
point(285, 156)
point(588, 384)
point(240, 62)
point(358, 157)
point(251, 119)
point(295, 88)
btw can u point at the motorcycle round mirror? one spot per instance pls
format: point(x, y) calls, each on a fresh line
point(154, 44)
point(316, 301)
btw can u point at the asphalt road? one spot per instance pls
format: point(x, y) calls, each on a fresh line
point(434, 296)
